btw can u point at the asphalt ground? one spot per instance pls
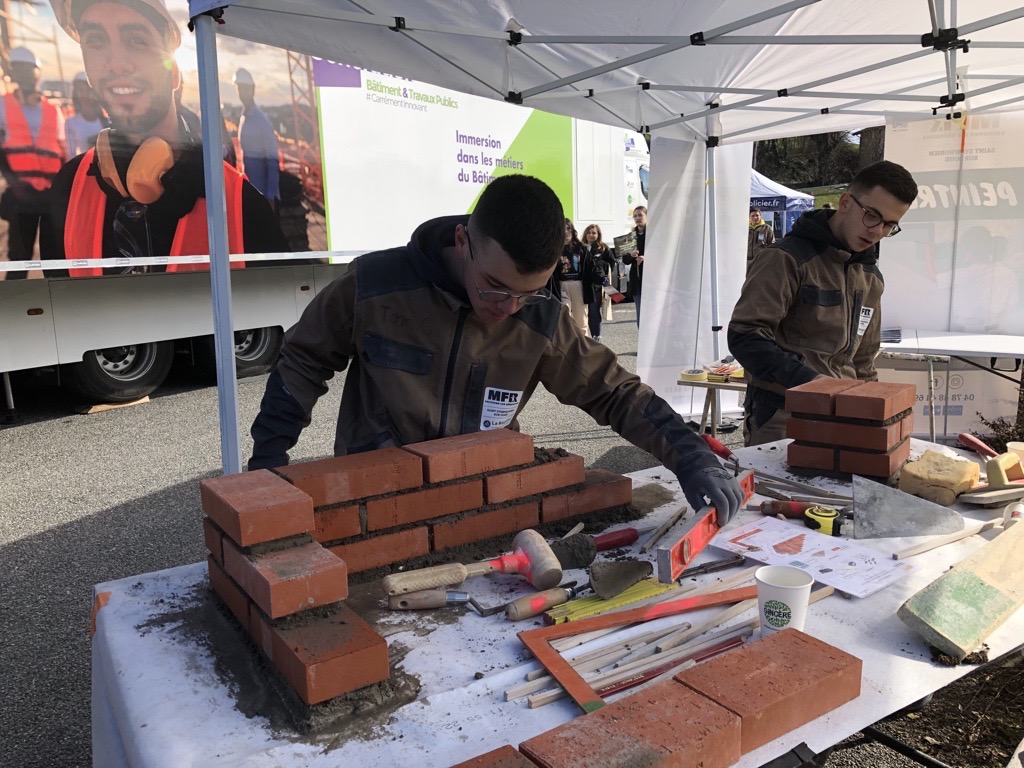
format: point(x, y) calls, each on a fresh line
point(87, 499)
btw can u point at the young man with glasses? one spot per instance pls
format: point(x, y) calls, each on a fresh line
point(452, 333)
point(811, 304)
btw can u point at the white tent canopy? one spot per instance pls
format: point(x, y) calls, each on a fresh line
point(692, 70)
point(763, 189)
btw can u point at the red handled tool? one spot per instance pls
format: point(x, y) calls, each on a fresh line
point(616, 539)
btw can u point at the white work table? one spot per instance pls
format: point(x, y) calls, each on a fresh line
point(924, 342)
point(174, 683)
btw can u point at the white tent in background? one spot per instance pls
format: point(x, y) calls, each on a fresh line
point(702, 76)
point(775, 198)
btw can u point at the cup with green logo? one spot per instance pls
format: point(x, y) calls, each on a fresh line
point(782, 595)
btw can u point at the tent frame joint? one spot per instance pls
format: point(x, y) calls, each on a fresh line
point(399, 24)
point(944, 40)
point(951, 99)
point(515, 38)
point(217, 14)
point(712, 141)
point(514, 97)
point(697, 38)
point(783, 92)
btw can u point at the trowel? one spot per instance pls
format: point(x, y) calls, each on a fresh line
point(880, 511)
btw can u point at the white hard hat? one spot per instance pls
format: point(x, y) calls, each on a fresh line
point(242, 77)
point(154, 10)
point(25, 56)
point(81, 77)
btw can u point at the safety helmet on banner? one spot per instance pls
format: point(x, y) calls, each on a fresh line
point(68, 13)
point(242, 77)
point(24, 56)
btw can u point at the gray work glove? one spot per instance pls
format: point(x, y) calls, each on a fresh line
point(720, 489)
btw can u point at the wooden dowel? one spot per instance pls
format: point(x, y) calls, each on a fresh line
point(949, 538)
point(662, 529)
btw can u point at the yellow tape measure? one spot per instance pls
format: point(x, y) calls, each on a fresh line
point(824, 519)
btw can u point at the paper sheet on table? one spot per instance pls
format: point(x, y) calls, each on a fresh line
point(849, 567)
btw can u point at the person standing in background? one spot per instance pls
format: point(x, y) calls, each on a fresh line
point(573, 276)
point(257, 141)
point(604, 259)
point(635, 259)
point(82, 128)
point(760, 235)
point(31, 153)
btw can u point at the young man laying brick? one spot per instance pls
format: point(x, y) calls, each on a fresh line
point(452, 333)
point(811, 304)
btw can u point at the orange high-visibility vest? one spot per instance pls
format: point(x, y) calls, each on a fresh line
point(83, 227)
point(34, 161)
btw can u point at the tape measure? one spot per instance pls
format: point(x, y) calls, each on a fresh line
point(694, 374)
point(823, 519)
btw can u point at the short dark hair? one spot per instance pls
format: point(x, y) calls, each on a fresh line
point(524, 216)
point(754, 209)
point(893, 178)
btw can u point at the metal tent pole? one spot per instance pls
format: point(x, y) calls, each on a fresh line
point(220, 267)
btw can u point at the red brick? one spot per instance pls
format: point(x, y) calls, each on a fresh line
point(324, 657)
point(907, 426)
point(876, 400)
point(548, 476)
point(230, 593)
point(212, 536)
point(472, 454)
point(256, 507)
point(810, 457)
point(502, 757)
point(667, 724)
point(404, 508)
point(848, 435)
point(346, 478)
point(486, 525)
point(817, 397)
point(383, 550)
point(336, 523)
point(875, 464)
point(777, 683)
point(288, 580)
point(601, 490)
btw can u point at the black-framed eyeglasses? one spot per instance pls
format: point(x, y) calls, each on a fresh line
point(873, 218)
point(496, 297)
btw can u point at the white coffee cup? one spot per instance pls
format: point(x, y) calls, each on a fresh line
point(1015, 447)
point(782, 595)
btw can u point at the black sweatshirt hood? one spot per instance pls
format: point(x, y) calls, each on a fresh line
point(813, 225)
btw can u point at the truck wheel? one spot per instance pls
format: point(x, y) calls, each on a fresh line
point(120, 374)
point(256, 351)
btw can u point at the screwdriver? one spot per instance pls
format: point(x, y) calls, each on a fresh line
point(534, 605)
point(791, 509)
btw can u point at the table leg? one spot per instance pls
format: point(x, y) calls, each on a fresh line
point(704, 415)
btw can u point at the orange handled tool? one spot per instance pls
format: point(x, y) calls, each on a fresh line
point(534, 605)
point(791, 509)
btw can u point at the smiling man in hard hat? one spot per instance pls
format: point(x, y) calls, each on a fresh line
point(31, 153)
point(258, 141)
point(140, 193)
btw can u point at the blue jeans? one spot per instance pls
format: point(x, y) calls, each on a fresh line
point(636, 303)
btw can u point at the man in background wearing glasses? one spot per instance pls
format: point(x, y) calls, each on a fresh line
point(452, 333)
point(811, 304)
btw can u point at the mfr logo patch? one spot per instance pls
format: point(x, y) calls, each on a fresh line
point(500, 407)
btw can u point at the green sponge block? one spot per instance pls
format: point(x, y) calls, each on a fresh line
point(957, 611)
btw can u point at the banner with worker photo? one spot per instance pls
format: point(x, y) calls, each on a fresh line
point(401, 152)
point(958, 264)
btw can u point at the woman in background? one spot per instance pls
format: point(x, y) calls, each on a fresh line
point(575, 277)
point(604, 259)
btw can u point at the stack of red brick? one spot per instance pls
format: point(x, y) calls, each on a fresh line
point(856, 427)
point(706, 716)
point(282, 543)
